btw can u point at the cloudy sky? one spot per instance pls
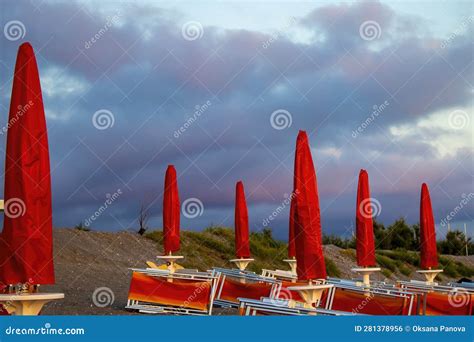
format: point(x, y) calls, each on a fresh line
point(220, 90)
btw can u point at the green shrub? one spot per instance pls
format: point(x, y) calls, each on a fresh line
point(155, 235)
point(349, 253)
point(209, 241)
point(331, 268)
point(444, 260)
point(455, 243)
point(464, 270)
point(386, 262)
point(338, 241)
point(406, 271)
point(450, 270)
point(220, 232)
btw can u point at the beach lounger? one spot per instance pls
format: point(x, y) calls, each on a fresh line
point(272, 306)
point(353, 296)
point(181, 293)
point(235, 284)
point(465, 285)
point(370, 302)
point(378, 299)
point(446, 300)
point(287, 279)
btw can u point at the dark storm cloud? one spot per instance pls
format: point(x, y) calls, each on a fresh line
point(143, 71)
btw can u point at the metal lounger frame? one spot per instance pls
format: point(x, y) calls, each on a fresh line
point(349, 285)
point(154, 308)
point(250, 307)
point(377, 288)
point(247, 275)
point(423, 288)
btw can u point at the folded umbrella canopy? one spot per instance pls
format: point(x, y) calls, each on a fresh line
point(429, 256)
point(308, 239)
point(171, 215)
point(364, 226)
point(291, 237)
point(242, 247)
point(26, 248)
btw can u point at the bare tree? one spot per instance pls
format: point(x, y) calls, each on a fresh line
point(143, 219)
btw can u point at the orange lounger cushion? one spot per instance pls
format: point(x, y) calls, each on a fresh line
point(358, 302)
point(184, 293)
point(460, 303)
point(233, 289)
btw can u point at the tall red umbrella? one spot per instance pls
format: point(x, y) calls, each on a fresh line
point(26, 251)
point(429, 255)
point(171, 215)
point(364, 224)
point(308, 238)
point(242, 247)
point(291, 237)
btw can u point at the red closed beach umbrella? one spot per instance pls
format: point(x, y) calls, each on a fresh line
point(171, 214)
point(308, 236)
point(364, 225)
point(242, 247)
point(291, 237)
point(429, 255)
point(26, 248)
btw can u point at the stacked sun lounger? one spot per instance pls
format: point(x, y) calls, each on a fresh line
point(181, 292)
point(235, 284)
point(452, 299)
point(275, 306)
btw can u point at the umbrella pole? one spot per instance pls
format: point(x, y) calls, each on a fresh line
point(365, 272)
point(311, 293)
point(292, 263)
point(242, 263)
point(170, 261)
point(430, 275)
